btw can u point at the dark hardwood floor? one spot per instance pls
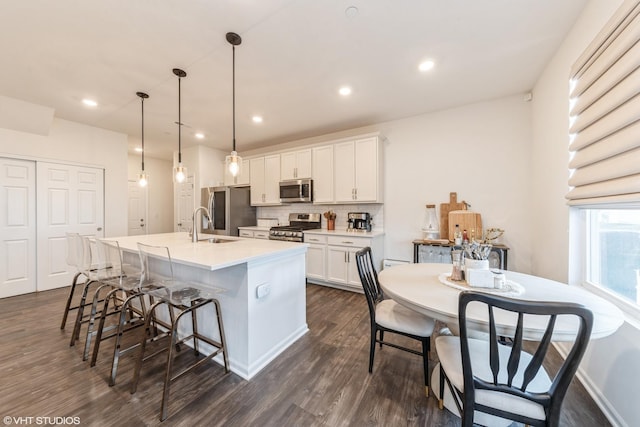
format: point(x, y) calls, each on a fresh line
point(321, 380)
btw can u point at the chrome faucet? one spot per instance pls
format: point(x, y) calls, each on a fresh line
point(194, 235)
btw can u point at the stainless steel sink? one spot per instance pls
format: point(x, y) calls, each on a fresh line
point(217, 240)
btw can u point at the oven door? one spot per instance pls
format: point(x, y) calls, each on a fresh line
point(296, 191)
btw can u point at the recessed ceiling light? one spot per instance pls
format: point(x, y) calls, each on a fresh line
point(345, 91)
point(256, 119)
point(89, 102)
point(138, 149)
point(200, 135)
point(426, 65)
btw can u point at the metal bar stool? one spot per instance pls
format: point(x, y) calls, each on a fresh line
point(182, 299)
point(125, 301)
point(88, 267)
point(76, 259)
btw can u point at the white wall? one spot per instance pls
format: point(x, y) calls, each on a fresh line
point(69, 142)
point(611, 367)
point(480, 151)
point(159, 191)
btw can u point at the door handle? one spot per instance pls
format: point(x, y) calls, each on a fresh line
point(99, 228)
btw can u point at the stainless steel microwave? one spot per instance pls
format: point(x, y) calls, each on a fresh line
point(296, 191)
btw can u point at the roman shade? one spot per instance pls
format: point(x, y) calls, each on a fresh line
point(605, 114)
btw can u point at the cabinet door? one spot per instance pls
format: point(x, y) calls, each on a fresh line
point(316, 257)
point(272, 179)
point(264, 235)
point(243, 177)
point(353, 277)
point(366, 170)
point(288, 166)
point(245, 233)
point(303, 164)
point(344, 171)
point(257, 181)
point(322, 173)
point(295, 165)
point(337, 265)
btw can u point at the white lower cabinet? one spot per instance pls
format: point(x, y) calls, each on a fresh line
point(316, 257)
point(254, 234)
point(342, 267)
point(331, 258)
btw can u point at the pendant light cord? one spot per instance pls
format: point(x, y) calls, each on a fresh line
point(179, 123)
point(142, 104)
point(234, 94)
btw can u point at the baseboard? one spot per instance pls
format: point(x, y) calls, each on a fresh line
point(603, 403)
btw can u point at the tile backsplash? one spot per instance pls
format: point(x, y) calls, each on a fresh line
point(282, 213)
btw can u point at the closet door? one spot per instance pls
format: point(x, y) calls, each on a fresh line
point(70, 199)
point(17, 227)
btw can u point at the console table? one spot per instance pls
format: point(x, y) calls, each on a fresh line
point(439, 252)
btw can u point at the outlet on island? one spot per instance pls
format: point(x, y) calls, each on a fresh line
point(263, 290)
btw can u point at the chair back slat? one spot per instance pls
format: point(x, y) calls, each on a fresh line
point(540, 354)
point(516, 348)
point(494, 357)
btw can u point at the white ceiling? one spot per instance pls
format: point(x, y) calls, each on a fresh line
point(294, 56)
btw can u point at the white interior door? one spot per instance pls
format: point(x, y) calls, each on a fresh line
point(70, 199)
point(185, 205)
point(137, 209)
point(17, 227)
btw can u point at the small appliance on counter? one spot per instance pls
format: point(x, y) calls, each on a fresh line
point(359, 221)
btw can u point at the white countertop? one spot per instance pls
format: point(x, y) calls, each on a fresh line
point(345, 232)
point(211, 256)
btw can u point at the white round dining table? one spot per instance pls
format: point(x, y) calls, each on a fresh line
point(418, 287)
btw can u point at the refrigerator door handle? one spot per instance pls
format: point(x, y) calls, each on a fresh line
point(210, 209)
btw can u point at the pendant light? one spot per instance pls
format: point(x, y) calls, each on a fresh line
point(179, 172)
point(233, 161)
point(142, 176)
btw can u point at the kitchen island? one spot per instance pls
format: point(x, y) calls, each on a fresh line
point(264, 300)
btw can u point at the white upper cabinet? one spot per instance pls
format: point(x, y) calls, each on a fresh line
point(322, 173)
point(243, 177)
point(358, 171)
point(295, 165)
point(265, 180)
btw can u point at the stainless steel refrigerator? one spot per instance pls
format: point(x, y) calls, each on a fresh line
point(229, 207)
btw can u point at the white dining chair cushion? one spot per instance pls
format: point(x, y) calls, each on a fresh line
point(392, 315)
point(448, 349)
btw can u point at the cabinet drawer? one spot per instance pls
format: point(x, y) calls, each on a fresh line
point(355, 242)
point(261, 234)
point(315, 238)
point(245, 233)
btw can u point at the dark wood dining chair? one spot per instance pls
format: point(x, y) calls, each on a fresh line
point(487, 376)
point(388, 316)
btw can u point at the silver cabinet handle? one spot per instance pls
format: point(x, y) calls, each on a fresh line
point(99, 228)
point(347, 243)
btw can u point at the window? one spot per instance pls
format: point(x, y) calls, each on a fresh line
point(613, 251)
point(604, 166)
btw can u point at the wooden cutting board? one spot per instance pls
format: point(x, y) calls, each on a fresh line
point(445, 208)
point(467, 220)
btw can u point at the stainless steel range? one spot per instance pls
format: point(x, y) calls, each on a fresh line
point(298, 222)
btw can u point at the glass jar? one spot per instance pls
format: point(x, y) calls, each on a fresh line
point(456, 259)
point(430, 227)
